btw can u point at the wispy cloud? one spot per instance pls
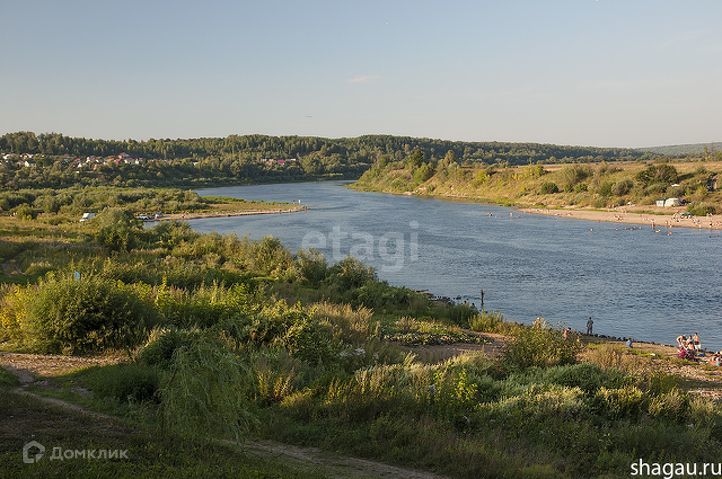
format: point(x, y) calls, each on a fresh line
point(359, 79)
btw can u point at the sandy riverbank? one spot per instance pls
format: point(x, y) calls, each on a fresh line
point(224, 214)
point(661, 222)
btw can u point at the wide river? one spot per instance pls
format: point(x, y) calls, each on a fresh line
point(631, 280)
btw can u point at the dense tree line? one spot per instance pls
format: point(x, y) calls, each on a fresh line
point(363, 148)
point(239, 158)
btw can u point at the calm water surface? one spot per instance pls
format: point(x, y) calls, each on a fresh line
point(633, 282)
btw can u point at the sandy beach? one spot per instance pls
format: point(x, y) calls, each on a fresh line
point(662, 222)
point(224, 214)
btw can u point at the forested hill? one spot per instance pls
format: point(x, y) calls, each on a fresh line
point(685, 149)
point(54, 160)
point(260, 146)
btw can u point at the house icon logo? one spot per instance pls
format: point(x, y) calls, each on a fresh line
point(32, 452)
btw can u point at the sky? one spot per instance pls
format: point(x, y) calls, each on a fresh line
point(586, 72)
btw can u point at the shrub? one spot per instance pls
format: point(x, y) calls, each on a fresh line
point(118, 230)
point(206, 392)
point(8, 379)
point(275, 374)
point(622, 187)
point(580, 188)
point(461, 314)
point(611, 357)
point(84, 316)
point(662, 175)
point(125, 382)
point(268, 257)
point(350, 273)
point(14, 315)
point(162, 344)
point(487, 322)
point(606, 188)
point(540, 345)
point(261, 324)
point(538, 401)
point(423, 173)
point(672, 405)
point(25, 212)
point(548, 188)
point(620, 402)
point(352, 326)
point(701, 209)
point(571, 175)
point(312, 341)
point(312, 267)
point(588, 377)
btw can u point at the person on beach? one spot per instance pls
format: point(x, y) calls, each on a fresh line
point(682, 341)
point(717, 359)
point(696, 343)
point(566, 332)
point(629, 343)
point(590, 326)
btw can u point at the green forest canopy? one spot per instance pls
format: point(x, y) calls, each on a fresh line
point(250, 158)
point(362, 147)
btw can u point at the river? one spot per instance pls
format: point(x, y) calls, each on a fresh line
point(632, 281)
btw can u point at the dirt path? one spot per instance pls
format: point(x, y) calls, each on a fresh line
point(334, 465)
point(27, 368)
point(435, 353)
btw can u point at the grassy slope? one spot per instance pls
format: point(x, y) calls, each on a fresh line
point(522, 186)
point(423, 443)
point(149, 455)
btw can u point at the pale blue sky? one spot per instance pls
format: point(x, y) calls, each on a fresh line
point(626, 73)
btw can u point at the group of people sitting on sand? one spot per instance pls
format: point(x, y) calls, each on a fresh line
point(690, 347)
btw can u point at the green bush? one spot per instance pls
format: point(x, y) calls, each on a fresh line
point(124, 382)
point(548, 188)
point(276, 375)
point(85, 316)
point(662, 174)
point(206, 392)
point(487, 322)
point(701, 209)
point(606, 188)
point(536, 402)
point(312, 267)
point(7, 379)
point(312, 341)
point(580, 188)
point(588, 377)
point(461, 314)
point(118, 230)
point(162, 345)
point(622, 187)
point(621, 402)
point(541, 346)
point(672, 405)
point(25, 212)
point(350, 273)
point(572, 175)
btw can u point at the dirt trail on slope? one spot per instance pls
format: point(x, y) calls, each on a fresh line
point(435, 353)
point(27, 369)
